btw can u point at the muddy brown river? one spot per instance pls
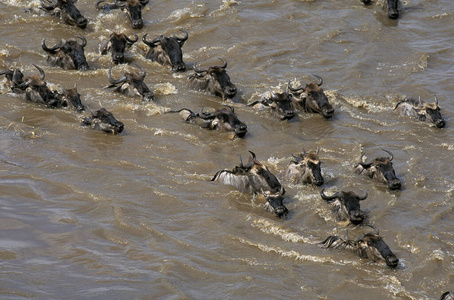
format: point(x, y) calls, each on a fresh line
point(90, 215)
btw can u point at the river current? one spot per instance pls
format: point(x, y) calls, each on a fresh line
point(89, 215)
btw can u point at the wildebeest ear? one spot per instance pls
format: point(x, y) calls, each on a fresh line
point(365, 166)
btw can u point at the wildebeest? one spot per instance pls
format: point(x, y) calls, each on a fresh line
point(72, 97)
point(34, 87)
point(346, 205)
point(134, 11)
point(131, 84)
point(426, 112)
point(105, 121)
point(370, 245)
point(381, 169)
point(14, 78)
point(223, 119)
point(275, 204)
point(305, 169)
point(67, 54)
point(392, 5)
point(311, 98)
point(252, 178)
point(105, 7)
point(279, 104)
point(167, 50)
point(69, 12)
point(116, 45)
point(214, 80)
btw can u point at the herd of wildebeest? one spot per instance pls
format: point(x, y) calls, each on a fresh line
point(253, 177)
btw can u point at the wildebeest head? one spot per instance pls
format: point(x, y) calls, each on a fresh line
point(215, 80)
point(167, 51)
point(14, 77)
point(347, 205)
point(251, 178)
point(393, 11)
point(311, 98)
point(105, 121)
point(305, 168)
point(224, 119)
point(280, 104)
point(36, 90)
point(67, 54)
point(370, 245)
point(117, 45)
point(70, 14)
point(381, 168)
point(134, 11)
point(73, 98)
point(105, 7)
point(275, 204)
point(131, 84)
point(426, 112)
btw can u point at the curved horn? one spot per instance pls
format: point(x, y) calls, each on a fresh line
point(319, 78)
point(364, 196)
point(120, 5)
point(289, 85)
point(225, 63)
point(231, 108)
point(130, 40)
point(304, 151)
point(328, 198)
point(144, 73)
point(51, 6)
point(253, 155)
point(97, 5)
point(144, 2)
point(362, 163)
point(114, 81)
point(84, 41)
point(420, 102)
point(436, 100)
point(241, 162)
point(298, 158)
point(204, 115)
point(154, 42)
point(197, 70)
point(272, 94)
point(41, 72)
point(45, 48)
point(186, 35)
point(389, 152)
point(374, 228)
